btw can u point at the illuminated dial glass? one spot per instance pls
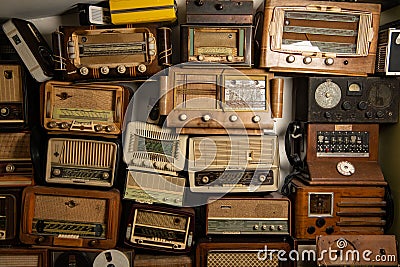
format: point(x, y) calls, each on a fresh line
point(380, 95)
point(345, 168)
point(320, 204)
point(328, 94)
point(354, 87)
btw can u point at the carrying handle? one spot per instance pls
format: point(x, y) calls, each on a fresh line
point(323, 8)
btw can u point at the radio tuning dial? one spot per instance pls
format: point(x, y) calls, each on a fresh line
point(105, 175)
point(329, 61)
point(10, 167)
point(328, 94)
point(84, 71)
point(380, 95)
point(4, 111)
point(56, 172)
point(345, 168)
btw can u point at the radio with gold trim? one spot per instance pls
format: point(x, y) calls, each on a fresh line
point(90, 109)
point(13, 100)
point(32, 257)
point(223, 98)
point(147, 187)
point(86, 162)
point(388, 51)
point(152, 148)
point(70, 217)
point(320, 37)
point(269, 215)
point(220, 164)
point(344, 209)
point(96, 52)
point(15, 159)
point(224, 44)
point(160, 228)
point(347, 99)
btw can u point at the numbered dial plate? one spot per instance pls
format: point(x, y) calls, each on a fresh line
point(345, 168)
point(380, 95)
point(328, 94)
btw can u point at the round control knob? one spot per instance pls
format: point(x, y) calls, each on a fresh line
point(368, 114)
point(311, 230)
point(219, 6)
point(290, 59)
point(10, 167)
point(199, 2)
point(140, 241)
point(280, 227)
point(307, 60)
point(320, 222)
point(183, 117)
point(52, 124)
point(362, 105)
point(142, 68)
point(177, 200)
point(121, 69)
point(205, 179)
point(56, 172)
point(110, 128)
point(104, 70)
point(93, 243)
point(329, 61)
point(4, 111)
point(328, 115)
point(175, 246)
point(84, 71)
point(272, 228)
point(264, 227)
point(262, 178)
point(169, 167)
point(329, 230)
point(256, 119)
point(346, 105)
point(64, 125)
point(39, 240)
point(165, 199)
point(136, 162)
point(255, 227)
point(98, 127)
point(229, 58)
point(233, 118)
point(148, 163)
point(380, 114)
point(206, 118)
point(200, 57)
point(105, 175)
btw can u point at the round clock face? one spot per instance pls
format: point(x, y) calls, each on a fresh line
point(380, 95)
point(345, 168)
point(328, 94)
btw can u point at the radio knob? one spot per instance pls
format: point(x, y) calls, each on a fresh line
point(200, 57)
point(346, 105)
point(272, 228)
point(205, 179)
point(219, 7)
point(233, 118)
point(158, 165)
point(256, 119)
point(10, 167)
point(39, 240)
point(199, 2)
point(380, 114)
point(169, 167)
point(264, 227)
point(4, 111)
point(148, 163)
point(206, 118)
point(262, 178)
point(98, 127)
point(56, 172)
point(93, 243)
point(64, 125)
point(52, 124)
point(84, 71)
point(307, 60)
point(183, 117)
point(110, 128)
point(329, 61)
point(121, 69)
point(328, 115)
point(136, 162)
point(320, 222)
point(255, 227)
point(280, 227)
point(329, 230)
point(177, 200)
point(290, 59)
point(368, 114)
point(104, 70)
point(142, 68)
point(311, 230)
point(165, 199)
point(105, 175)
point(229, 58)
point(362, 105)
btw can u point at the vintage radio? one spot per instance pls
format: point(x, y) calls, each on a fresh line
point(219, 12)
point(7, 50)
point(160, 228)
point(225, 44)
point(218, 98)
point(146, 187)
point(320, 37)
point(70, 217)
point(269, 215)
point(357, 250)
point(388, 52)
point(347, 99)
point(343, 154)
point(15, 159)
point(95, 52)
point(82, 161)
point(31, 47)
point(90, 257)
point(306, 255)
point(90, 109)
point(10, 209)
point(29, 257)
point(149, 147)
point(13, 98)
point(221, 164)
point(232, 253)
point(344, 209)
point(150, 260)
point(134, 12)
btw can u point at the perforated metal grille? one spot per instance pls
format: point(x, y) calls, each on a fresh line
point(159, 219)
point(240, 259)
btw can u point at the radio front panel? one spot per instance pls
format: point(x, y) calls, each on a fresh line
point(388, 48)
point(29, 257)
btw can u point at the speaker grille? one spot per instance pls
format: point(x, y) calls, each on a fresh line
point(239, 259)
point(18, 260)
point(14, 146)
point(160, 219)
point(10, 83)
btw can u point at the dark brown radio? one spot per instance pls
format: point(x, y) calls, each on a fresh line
point(160, 228)
point(224, 44)
point(357, 250)
point(231, 253)
point(15, 160)
point(219, 12)
point(343, 154)
point(10, 210)
point(335, 210)
point(29, 257)
point(269, 215)
point(70, 217)
point(346, 99)
point(320, 37)
point(91, 109)
point(96, 52)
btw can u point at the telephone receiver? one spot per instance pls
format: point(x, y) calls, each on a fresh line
point(294, 144)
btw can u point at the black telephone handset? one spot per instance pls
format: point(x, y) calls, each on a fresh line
point(294, 143)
